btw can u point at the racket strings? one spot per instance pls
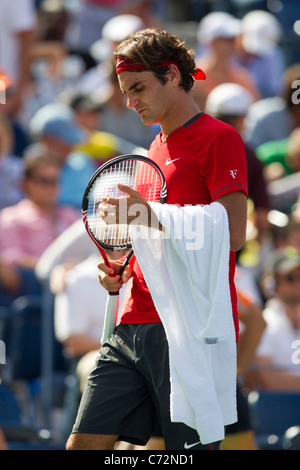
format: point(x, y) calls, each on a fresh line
point(136, 174)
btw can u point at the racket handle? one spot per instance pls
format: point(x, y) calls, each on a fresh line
point(105, 259)
point(111, 311)
point(112, 304)
point(128, 258)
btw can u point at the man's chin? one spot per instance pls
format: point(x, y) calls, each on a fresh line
point(147, 120)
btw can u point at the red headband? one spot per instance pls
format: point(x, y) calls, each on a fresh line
point(123, 65)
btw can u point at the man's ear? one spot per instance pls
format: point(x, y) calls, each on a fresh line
point(174, 74)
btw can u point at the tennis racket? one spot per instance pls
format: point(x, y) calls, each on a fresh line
point(137, 172)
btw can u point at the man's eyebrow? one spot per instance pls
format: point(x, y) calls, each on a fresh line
point(134, 85)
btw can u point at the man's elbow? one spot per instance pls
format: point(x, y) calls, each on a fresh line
point(235, 204)
point(237, 242)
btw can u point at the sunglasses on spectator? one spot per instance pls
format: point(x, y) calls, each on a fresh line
point(44, 180)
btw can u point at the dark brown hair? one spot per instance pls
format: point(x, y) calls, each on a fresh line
point(152, 46)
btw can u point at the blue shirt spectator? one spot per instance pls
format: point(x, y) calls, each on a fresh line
point(55, 127)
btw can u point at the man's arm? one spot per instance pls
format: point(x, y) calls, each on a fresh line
point(236, 205)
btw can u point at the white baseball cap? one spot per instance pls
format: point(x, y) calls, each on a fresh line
point(115, 30)
point(260, 32)
point(228, 99)
point(120, 27)
point(218, 25)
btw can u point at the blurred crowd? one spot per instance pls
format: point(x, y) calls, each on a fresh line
point(62, 115)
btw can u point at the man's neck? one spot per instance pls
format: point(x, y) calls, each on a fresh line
point(181, 114)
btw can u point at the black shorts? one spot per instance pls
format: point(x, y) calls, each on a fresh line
point(128, 392)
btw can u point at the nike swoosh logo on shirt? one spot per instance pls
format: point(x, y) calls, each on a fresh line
point(188, 446)
point(168, 161)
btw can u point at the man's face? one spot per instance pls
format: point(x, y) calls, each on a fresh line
point(145, 93)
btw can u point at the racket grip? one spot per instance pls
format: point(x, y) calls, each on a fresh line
point(128, 258)
point(111, 311)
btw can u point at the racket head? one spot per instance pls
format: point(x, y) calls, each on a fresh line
point(136, 171)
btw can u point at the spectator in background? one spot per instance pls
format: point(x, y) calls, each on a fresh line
point(70, 248)
point(8, 91)
point(230, 102)
point(284, 153)
point(289, 235)
point(88, 20)
point(54, 126)
point(280, 157)
point(275, 118)
point(114, 31)
point(54, 66)
point(274, 368)
point(91, 16)
point(17, 36)
point(87, 110)
point(28, 227)
point(99, 145)
point(55, 20)
point(217, 32)
point(11, 167)
point(293, 150)
point(148, 10)
point(50, 48)
point(259, 52)
point(281, 160)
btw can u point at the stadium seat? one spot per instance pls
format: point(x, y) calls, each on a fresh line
point(18, 434)
point(11, 419)
point(25, 347)
point(25, 357)
point(272, 414)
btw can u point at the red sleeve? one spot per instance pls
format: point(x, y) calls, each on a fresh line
point(226, 164)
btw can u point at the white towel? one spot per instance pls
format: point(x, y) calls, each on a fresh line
point(186, 268)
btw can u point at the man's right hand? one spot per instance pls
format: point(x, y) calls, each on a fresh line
point(109, 277)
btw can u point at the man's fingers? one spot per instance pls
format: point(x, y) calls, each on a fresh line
point(110, 284)
point(105, 269)
point(108, 279)
point(113, 201)
point(128, 190)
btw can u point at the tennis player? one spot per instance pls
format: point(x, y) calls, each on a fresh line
point(203, 160)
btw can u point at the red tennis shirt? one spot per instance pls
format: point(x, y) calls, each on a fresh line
point(201, 161)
